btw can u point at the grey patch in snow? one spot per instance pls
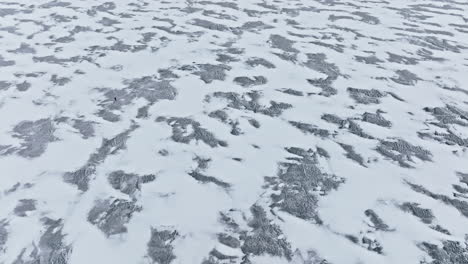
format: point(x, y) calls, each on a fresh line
point(310, 129)
point(463, 177)
point(254, 123)
point(3, 234)
point(425, 215)
point(325, 85)
point(377, 222)
point(448, 115)
point(180, 133)
point(148, 178)
point(292, 92)
point(223, 58)
point(451, 252)
point(405, 77)
point(159, 247)
point(220, 115)
point(36, 135)
point(440, 229)
point(369, 59)
point(317, 62)
point(245, 81)
point(264, 237)
point(208, 179)
point(111, 215)
point(255, 26)
point(367, 18)
point(127, 183)
point(55, 3)
point(351, 154)
point(51, 247)
point(86, 128)
point(255, 61)
point(105, 21)
point(209, 25)
point(24, 86)
point(460, 205)
point(284, 44)
point(401, 59)
point(250, 101)
point(24, 206)
point(105, 7)
point(82, 176)
point(60, 81)
point(447, 138)
point(301, 182)
point(143, 112)
point(4, 85)
point(24, 48)
point(363, 96)
point(210, 72)
point(403, 152)
point(6, 63)
point(229, 240)
point(376, 119)
point(347, 124)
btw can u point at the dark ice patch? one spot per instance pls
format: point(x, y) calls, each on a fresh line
point(86, 128)
point(403, 152)
point(180, 126)
point(112, 215)
point(318, 62)
point(24, 48)
point(405, 77)
point(264, 238)
point(368, 60)
point(51, 247)
point(245, 81)
point(451, 252)
point(250, 102)
point(200, 177)
point(3, 234)
point(255, 61)
point(367, 18)
point(24, 86)
point(127, 183)
point(460, 205)
point(291, 92)
point(325, 84)
point(82, 176)
point(159, 248)
point(24, 206)
point(228, 240)
point(424, 214)
point(376, 119)
point(284, 44)
point(392, 57)
point(36, 135)
point(353, 155)
point(310, 129)
point(210, 72)
point(364, 96)
point(347, 124)
point(448, 115)
point(60, 81)
point(6, 63)
point(300, 182)
point(376, 221)
point(108, 22)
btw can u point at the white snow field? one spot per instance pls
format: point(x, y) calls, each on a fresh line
point(237, 131)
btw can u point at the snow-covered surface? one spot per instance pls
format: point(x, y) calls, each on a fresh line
point(248, 131)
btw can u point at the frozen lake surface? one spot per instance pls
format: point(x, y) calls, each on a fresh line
point(248, 131)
